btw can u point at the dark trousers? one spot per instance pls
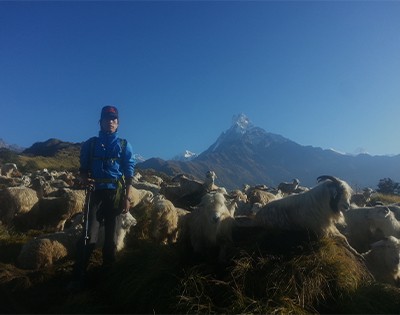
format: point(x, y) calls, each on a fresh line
point(101, 212)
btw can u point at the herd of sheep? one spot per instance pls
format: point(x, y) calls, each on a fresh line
point(202, 215)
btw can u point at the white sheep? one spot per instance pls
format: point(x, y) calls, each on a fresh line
point(209, 226)
point(383, 260)
point(395, 208)
point(53, 211)
point(8, 169)
point(261, 196)
point(209, 181)
point(388, 225)
point(289, 188)
point(124, 223)
point(149, 182)
point(255, 198)
point(366, 225)
point(48, 249)
point(45, 250)
point(40, 253)
point(163, 221)
point(361, 199)
point(316, 210)
point(15, 201)
point(42, 186)
point(138, 196)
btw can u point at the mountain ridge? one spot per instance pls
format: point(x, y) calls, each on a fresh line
point(247, 154)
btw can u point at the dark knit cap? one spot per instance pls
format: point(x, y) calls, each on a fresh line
point(109, 112)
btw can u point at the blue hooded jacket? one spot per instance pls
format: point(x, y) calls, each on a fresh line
point(106, 159)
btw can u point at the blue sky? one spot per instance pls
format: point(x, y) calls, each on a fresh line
point(321, 73)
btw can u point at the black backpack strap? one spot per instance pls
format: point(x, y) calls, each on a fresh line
point(92, 142)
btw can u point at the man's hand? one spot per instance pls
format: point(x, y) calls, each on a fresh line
point(127, 205)
point(85, 182)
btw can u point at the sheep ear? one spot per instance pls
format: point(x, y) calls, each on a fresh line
point(335, 196)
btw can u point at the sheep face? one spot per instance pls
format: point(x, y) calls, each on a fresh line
point(215, 207)
point(379, 213)
point(340, 193)
point(210, 226)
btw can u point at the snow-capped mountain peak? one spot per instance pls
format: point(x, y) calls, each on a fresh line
point(241, 123)
point(185, 156)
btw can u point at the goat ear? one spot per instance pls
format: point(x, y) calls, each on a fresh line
point(335, 196)
point(333, 191)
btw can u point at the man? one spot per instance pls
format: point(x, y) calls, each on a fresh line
point(106, 170)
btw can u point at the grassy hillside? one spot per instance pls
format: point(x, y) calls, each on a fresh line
point(64, 156)
point(269, 273)
point(64, 161)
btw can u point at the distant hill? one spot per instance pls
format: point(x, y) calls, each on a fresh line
point(246, 154)
point(51, 147)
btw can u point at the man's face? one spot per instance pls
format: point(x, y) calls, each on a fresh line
point(109, 125)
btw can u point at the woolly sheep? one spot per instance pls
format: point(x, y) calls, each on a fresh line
point(361, 226)
point(48, 249)
point(15, 201)
point(149, 182)
point(45, 250)
point(289, 188)
point(209, 181)
point(42, 186)
point(209, 226)
point(55, 210)
point(163, 221)
point(315, 210)
point(124, 223)
point(261, 196)
point(383, 260)
point(41, 252)
point(8, 168)
point(388, 225)
point(139, 195)
point(361, 199)
point(395, 208)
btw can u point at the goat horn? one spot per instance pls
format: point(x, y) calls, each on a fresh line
point(332, 178)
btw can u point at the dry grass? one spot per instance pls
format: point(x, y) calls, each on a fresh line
point(270, 273)
point(308, 278)
point(385, 199)
point(65, 160)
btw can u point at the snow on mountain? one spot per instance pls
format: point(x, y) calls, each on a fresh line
point(242, 129)
point(185, 156)
point(138, 158)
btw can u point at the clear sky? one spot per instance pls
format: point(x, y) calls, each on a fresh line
point(321, 73)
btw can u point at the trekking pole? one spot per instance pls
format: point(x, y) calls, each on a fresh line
point(89, 190)
point(82, 261)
